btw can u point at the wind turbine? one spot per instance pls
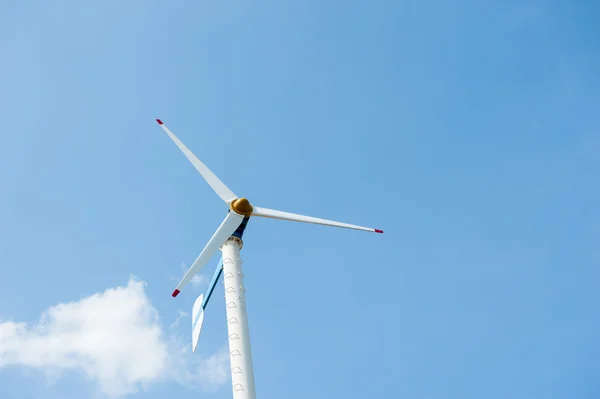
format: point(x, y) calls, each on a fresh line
point(228, 238)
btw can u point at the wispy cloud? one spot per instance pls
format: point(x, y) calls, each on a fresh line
point(180, 316)
point(115, 338)
point(214, 371)
point(198, 280)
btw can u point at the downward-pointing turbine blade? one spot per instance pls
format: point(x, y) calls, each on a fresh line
point(271, 213)
point(197, 320)
point(200, 306)
point(217, 185)
point(225, 230)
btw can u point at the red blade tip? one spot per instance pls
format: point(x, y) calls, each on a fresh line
point(159, 121)
point(378, 231)
point(175, 293)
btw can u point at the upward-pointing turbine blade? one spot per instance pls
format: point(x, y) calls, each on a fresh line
point(271, 213)
point(225, 230)
point(217, 185)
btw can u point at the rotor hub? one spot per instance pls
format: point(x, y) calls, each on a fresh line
point(241, 206)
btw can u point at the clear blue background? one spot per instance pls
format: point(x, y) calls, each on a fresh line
point(467, 130)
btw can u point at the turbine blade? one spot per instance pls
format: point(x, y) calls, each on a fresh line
point(271, 213)
point(225, 230)
point(217, 185)
point(200, 306)
point(197, 320)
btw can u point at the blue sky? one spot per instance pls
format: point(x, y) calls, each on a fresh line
point(468, 131)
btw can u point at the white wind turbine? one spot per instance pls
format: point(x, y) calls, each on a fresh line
point(228, 238)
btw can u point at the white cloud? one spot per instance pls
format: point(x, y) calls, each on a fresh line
point(114, 337)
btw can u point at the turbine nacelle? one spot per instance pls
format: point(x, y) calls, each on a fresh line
point(241, 206)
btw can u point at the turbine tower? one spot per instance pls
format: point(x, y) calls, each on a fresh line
point(228, 238)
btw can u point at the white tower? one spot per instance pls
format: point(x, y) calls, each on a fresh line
point(240, 355)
